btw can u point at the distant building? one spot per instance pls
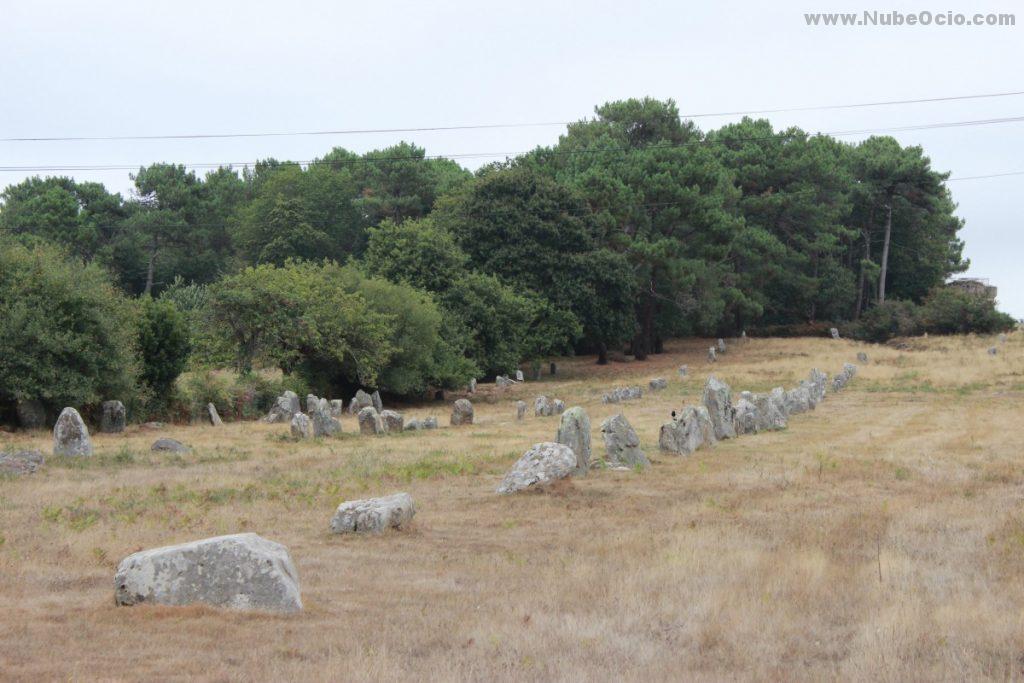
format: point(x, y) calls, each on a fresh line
point(974, 285)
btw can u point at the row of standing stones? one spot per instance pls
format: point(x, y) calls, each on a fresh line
point(246, 571)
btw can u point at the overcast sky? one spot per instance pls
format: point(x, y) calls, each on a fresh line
point(120, 68)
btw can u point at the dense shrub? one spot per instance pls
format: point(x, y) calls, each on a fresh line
point(67, 335)
point(236, 397)
point(890, 319)
point(950, 311)
point(164, 346)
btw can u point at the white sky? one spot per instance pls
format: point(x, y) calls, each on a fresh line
point(120, 68)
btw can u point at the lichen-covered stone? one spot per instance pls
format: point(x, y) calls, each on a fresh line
point(242, 571)
point(542, 406)
point(770, 416)
point(658, 383)
point(519, 376)
point(621, 443)
point(113, 417)
point(373, 515)
point(862, 357)
point(166, 445)
point(718, 401)
point(302, 426)
point(392, 420)
point(336, 407)
point(462, 413)
point(370, 421)
point(622, 394)
point(211, 411)
point(542, 464)
point(20, 462)
point(359, 401)
point(70, 435)
point(574, 432)
point(378, 403)
point(323, 423)
point(712, 355)
point(746, 417)
point(690, 430)
point(520, 410)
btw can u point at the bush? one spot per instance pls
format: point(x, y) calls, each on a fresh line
point(67, 336)
point(950, 311)
point(890, 319)
point(164, 347)
point(236, 397)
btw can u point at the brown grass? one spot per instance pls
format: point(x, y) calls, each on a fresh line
point(881, 537)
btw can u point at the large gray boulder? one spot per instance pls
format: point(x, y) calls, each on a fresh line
point(798, 400)
point(542, 464)
point(242, 572)
point(862, 357)
point(392, 421)
point(746, 418)
point(621, 443)
point(302, 426)
point(503, 381)
point(519, 376)
point(818, 385)
point(166, 445)
point(622, 394)
point(20, 462)
point(373, 515)
point(215, 420)
point(462, 412)
point(718, 401)
point(70, 435)
point(323, 423)
point(542, 407)
point(712, 355)
point(557, 406)
point(721, 346)
point(834, 332)
point(770, 416)
point(336, 407)
point(574, 432)
point(377, 402)
point(113, 417)
point(430, 423)
point(778, 398)
point(369, 421)
point(287, 404)
point(690, 430)
point(471, 387)
point(520, 410)
point(31, 414)
point(658, 383)
point(359, 401)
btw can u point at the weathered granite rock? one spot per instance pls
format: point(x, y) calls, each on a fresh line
point(817, 385)
point(462, 413)
point(302, 426)
point(840, 381)
point(169, 446)
point(621, 443)
point(623, 394)
point(377, 402)
point(215, 420)
point(834, 332)
point(557, 406)
point(370, 421)
point(712, 355)
point(684, 370)
point(20, 462)
point(746, 419)
point(472, 386)
point(70, 435)
point(770, 416)
point(778, 398)
point(312, 403)
point(323, 423)
point(718, 401)
point(392, 420)
point(574, 432)
point(287, 404)
point(542, 407)
point(658, 383)
point(690, 430)
point(721, 345)
point(520, 410)
point(542, 464)
point(862, 357)
point(993, 351)
point(373, 515)
point(503, 381)
point(31, 414)
point(337, 407)
point(243, 571)
point(430, 423)
point(519, 376)
point(359, 401)
point(798, 400)
point(113, 417)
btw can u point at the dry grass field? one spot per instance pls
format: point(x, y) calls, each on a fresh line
point(881, 537)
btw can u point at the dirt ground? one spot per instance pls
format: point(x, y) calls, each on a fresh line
point(880, 537)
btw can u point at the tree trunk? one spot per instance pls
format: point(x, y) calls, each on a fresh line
point(885, 252)
point(153, 247)
point(863, 276)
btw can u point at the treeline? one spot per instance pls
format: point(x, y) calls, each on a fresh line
point(403, 272)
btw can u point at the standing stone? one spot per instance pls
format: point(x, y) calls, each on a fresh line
point(658, 383)
point(718, 401)
point(520, 410)
point(312, 403)
point(215, 420)
point(377, 402)
point(721, 346)
point(359, 401)
point(574, 432)
point(472, 385)
point(554, 369)
point(834, 332)
point(687, 432)
point(621, 444)
point(293, 402)
point(169, 446)
point(413, 425)
point(392, 421)
point(430, 423)
point(743, 335)
point(462, 413)
point(324, 424)
point(992, 351)
point(373, 515)
point(20, 462)
point(337, 407)
point(557, 406)
point(798, 400)
point(770, 415)
point(862, 357)
point(70, 435)
point(502, 381)
point(818, 384)
point(519, 376)
point(542, 464)
point(541, 406)
point(243, 572)
point(302, 426)
point(31, 414)
point(712, 356)
point(370, 421)
point(1002, 337)
point(746, 417)
point(113, 419)
point(684, 370)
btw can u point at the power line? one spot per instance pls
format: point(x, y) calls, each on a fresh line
point(990, 175)
point(550, 152)
point(488, 126)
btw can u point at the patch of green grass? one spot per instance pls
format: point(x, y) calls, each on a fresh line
point(902, 474)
